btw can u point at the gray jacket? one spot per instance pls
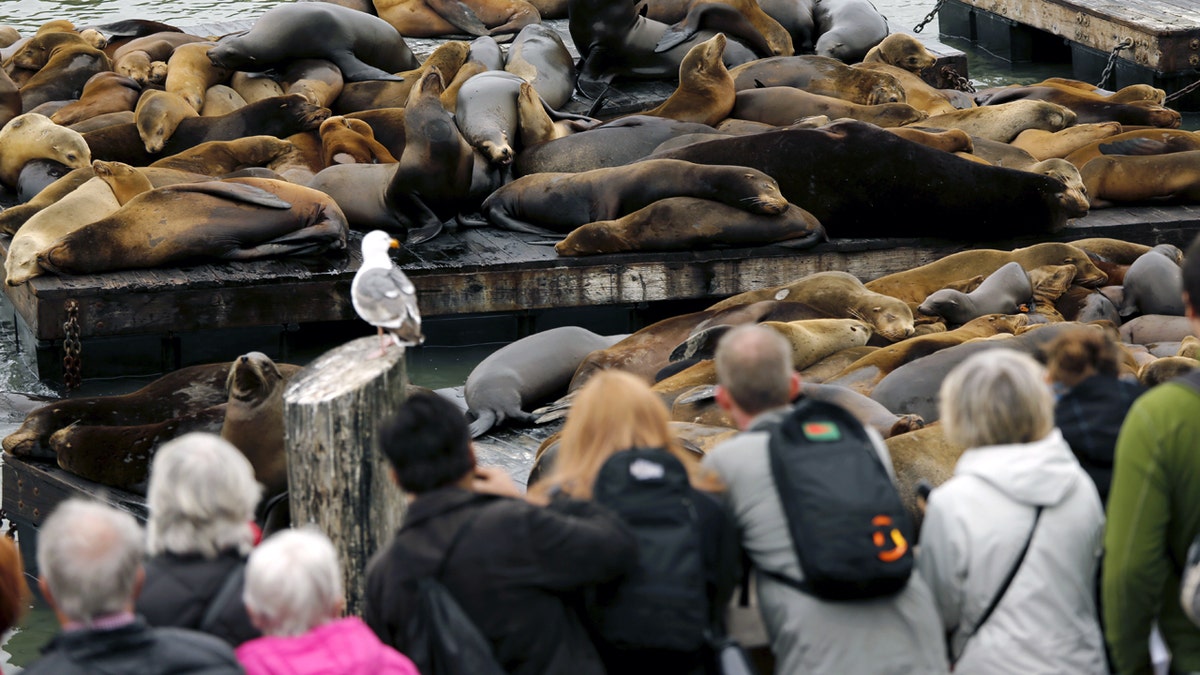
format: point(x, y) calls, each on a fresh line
point(975, 526)
point(895, 635)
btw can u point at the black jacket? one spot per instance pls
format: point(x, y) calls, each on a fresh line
point(514, 574)
point(1090, 416)
point(135, 648)
point(179, 588)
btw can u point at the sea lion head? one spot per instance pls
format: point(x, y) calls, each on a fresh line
point(891, 318)
point(253, 378)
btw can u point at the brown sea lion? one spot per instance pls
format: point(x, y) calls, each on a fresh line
point(64, 62)
point(448, 58)
point(33, 136)
point(560, 202)
point(535, 124)
point(917, 92)
point(1166, 368)
point(217, 158)
point(948, 140)
point(221, 99)
point(105, 92)
point(686, 223)
point(1113, 179)
point(1003, 122)
point(903, 51)
point(319, 81)
point(255, 86)
point(820, 75)
point(362, 45)
point(1114, 250)
point(157, 115)
point(190, 73)
point(434, 18)
point(1137, 142)
point(253, 420)
point(347, 140)
point(782, 106)
point(705, 93)
point(916, 284)
point(1043, 144)
point(921, 455)
point(1087, 106)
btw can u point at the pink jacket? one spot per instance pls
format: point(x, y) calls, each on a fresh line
point(343, 647)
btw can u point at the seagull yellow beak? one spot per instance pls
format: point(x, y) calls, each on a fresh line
point(393, 243)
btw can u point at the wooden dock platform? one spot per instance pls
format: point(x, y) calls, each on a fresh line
point(1162, 38)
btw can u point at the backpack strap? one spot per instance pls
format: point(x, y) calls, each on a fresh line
point(226, 594)
point(458, 537)
point(1012, 573)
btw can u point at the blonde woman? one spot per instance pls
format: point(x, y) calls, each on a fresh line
point(613, 413)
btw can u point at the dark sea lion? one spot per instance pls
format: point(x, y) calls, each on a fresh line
point(1113, 179)
point(1005, 291)
point(64, 62)
point(916, 284)
point(782, 106)
point(36, 175)
point(869, 412)
point(863, 374)
point(687, 223)
point(235, 219)
point(796, 17)
point(1150, 328)
point(363, 46)
point(526, 373)
point(847, 29)
point(105, 120)
point(810, 164)
point(820, 75)
point(33, 136)
point(539, 56)
point(281, 116)
point(104, 92)
point(621, 141)
point(449, 57)
point(486, 114)
point(1153, 285)
point(560, 202)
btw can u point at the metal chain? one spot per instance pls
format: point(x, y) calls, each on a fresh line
point(929, 17)
point(72, 363)
point(1182, 92)
point(1124, 44)
point(949, 74)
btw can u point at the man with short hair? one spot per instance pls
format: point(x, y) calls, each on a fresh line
point(894, 634)
point(1153, 513)
point(90, 564)
point(517, 568)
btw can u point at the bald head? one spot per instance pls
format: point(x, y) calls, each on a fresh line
point(754, 365)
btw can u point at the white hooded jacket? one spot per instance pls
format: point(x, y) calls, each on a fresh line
point(974, 528)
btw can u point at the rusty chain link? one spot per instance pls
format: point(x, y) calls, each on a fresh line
point(949, 74)
point(929, 17)
point(1182, 92)
point(1124, 44)
point(72, 362)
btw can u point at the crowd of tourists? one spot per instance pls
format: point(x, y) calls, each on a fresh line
point(1057, 546)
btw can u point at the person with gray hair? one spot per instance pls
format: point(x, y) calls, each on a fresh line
point(201, 497)
point(1011, 542)
point(294, 595)
point(896, 634)
point(90, 563)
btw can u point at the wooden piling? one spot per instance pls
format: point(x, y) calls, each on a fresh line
point(337, 479)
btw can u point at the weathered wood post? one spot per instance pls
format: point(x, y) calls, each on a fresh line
point(337, 479)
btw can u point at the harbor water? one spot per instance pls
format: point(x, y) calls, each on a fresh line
point(450, 354)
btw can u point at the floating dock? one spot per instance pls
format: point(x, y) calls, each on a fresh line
point(1159, 40)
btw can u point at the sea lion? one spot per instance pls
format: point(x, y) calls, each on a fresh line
point(281, 116)
point(64, 63)
point(253, 420)
point(1087, 106)
point(190, 73)
point(1112, 179)
point(1005, 291)
point(1118, 250)
point(1043, 144)
point(820, 75)
point(103, 93)
point(1150, 328)
point(91, 201)
point(814, 339)
point(1137, 142)
point(676, 13)
point(157, 115)
point(138, 67)
point(221, 99)
point(363, 46)
point(10, 98)
point(217, 158)
point(705, 93)
point(437, 18)
point(903, 51)
point(560, 202)
point(486, 114)
point(346, 140)
point(863, 374)
point(948, 140)
point(1166, 368)
point(1153, 285)
point(847, 29)
point(838, 294)
point(621, 141)
point(1003, 122)
point(686, 223)
point(449, 58)
point(234, 219)
point(33, 136)
point(318, 80)
point(811, 165)
point(539, 56)
point(921, 455)
point(916, 284)
point(782, 106)
point(36, 175)
point(526, 373)
point(537, 123)
point(105, 120)
point(917, 92)
point(255, 86)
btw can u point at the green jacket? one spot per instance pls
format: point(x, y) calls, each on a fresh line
point(1153, 514)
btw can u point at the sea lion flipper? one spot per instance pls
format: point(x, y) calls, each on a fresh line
point(355, 70)
point(593, 79)
point(459, 15)
point(1134, 146)
point(674, 36)
point(237, 192)
point(716, 16)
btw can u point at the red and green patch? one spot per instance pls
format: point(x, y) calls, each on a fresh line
point(822, 431)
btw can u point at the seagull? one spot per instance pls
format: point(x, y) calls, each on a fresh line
point(383, 296)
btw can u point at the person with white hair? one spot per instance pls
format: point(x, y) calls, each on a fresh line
point(90, 563)
point(201, 497)
point(294, 595)
point(1011, 543)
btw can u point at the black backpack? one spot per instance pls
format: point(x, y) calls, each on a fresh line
point(663, 604)
point(439, 637)
point(849, 527)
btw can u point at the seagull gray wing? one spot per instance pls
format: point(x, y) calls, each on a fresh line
point(384, 297)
